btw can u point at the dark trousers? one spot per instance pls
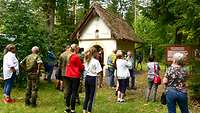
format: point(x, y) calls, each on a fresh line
point(90, 88)
point(132, 77)
point(49, 73)
point(31, 90)
point(66, 86)
point(72, 92)
point(122, 85)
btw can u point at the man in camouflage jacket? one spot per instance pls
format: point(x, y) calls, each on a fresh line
point(32, 64)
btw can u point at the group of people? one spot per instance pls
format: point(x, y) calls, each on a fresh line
point(174, 79)
point(120, 70)
point(32, 64)
point(174, 82)
point(73, 67)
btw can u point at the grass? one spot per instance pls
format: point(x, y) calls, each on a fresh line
point(51, 101)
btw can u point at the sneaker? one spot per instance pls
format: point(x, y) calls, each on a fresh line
point(67, 110)
point(122, 100)
point(27, 103)
point(8, 100)
point(33, 105)
point(5, 100)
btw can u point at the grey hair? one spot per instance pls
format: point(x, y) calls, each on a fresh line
point(178, 58)
point(74, 47)
point(35, 49)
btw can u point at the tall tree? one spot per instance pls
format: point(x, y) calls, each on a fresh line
point(49, 7)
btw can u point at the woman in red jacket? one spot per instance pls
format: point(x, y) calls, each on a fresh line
point(73, 70)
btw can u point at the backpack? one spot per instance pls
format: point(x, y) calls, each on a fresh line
point(29, 63)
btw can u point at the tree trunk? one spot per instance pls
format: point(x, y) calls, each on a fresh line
point(51, 5)
point(49, 9)
point(74, 11)
point(179, 36)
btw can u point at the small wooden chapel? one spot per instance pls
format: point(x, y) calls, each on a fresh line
point(106, 30)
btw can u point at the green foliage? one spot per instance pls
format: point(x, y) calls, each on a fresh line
point(178, 20)
point(153, 35)
point(51, 100)
point(20, 19)
point(194, 83)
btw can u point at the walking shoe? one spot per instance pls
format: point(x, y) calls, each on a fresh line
point(72, 111)
point(122, 100)
point(8, 100)
point(33, 105)
point(27, 103)
point(67, 110)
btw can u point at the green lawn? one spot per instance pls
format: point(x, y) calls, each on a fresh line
point(51, 101)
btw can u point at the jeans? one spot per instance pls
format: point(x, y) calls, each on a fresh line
point(72, 92)
point(90, 89)
point(8, 85)
point(173, 96)
point(111, 81)
point(49, 73)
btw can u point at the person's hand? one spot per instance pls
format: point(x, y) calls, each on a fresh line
point(38, 72)
point(12, 69)
point(165, 80)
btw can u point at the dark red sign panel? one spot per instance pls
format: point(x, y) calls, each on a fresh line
point(171, 50)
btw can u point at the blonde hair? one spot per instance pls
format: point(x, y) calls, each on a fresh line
point(91, 52)
point(9, 47)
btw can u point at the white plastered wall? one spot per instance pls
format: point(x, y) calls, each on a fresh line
point(96, 24)
point(107, 45)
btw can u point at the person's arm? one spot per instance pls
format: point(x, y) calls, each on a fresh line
point(109, 61)
point(165, 79)
point(158, 67)
point(12, 69)
point(11, 63)
point(98, 67)
point(39, 63)
point(81, 66)
point(128, 64)
point(39, 67)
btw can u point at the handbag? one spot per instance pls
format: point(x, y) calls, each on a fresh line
point(156, 79)
point(163, 100)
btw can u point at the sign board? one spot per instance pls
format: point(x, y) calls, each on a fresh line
point(171, 50)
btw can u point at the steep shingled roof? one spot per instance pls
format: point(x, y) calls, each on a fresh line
point(119, 28)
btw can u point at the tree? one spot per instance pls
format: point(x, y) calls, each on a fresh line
point(20, 19)
point(183, 17)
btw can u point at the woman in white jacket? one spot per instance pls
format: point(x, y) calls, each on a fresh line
point(10, 70)
point(122, 75)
